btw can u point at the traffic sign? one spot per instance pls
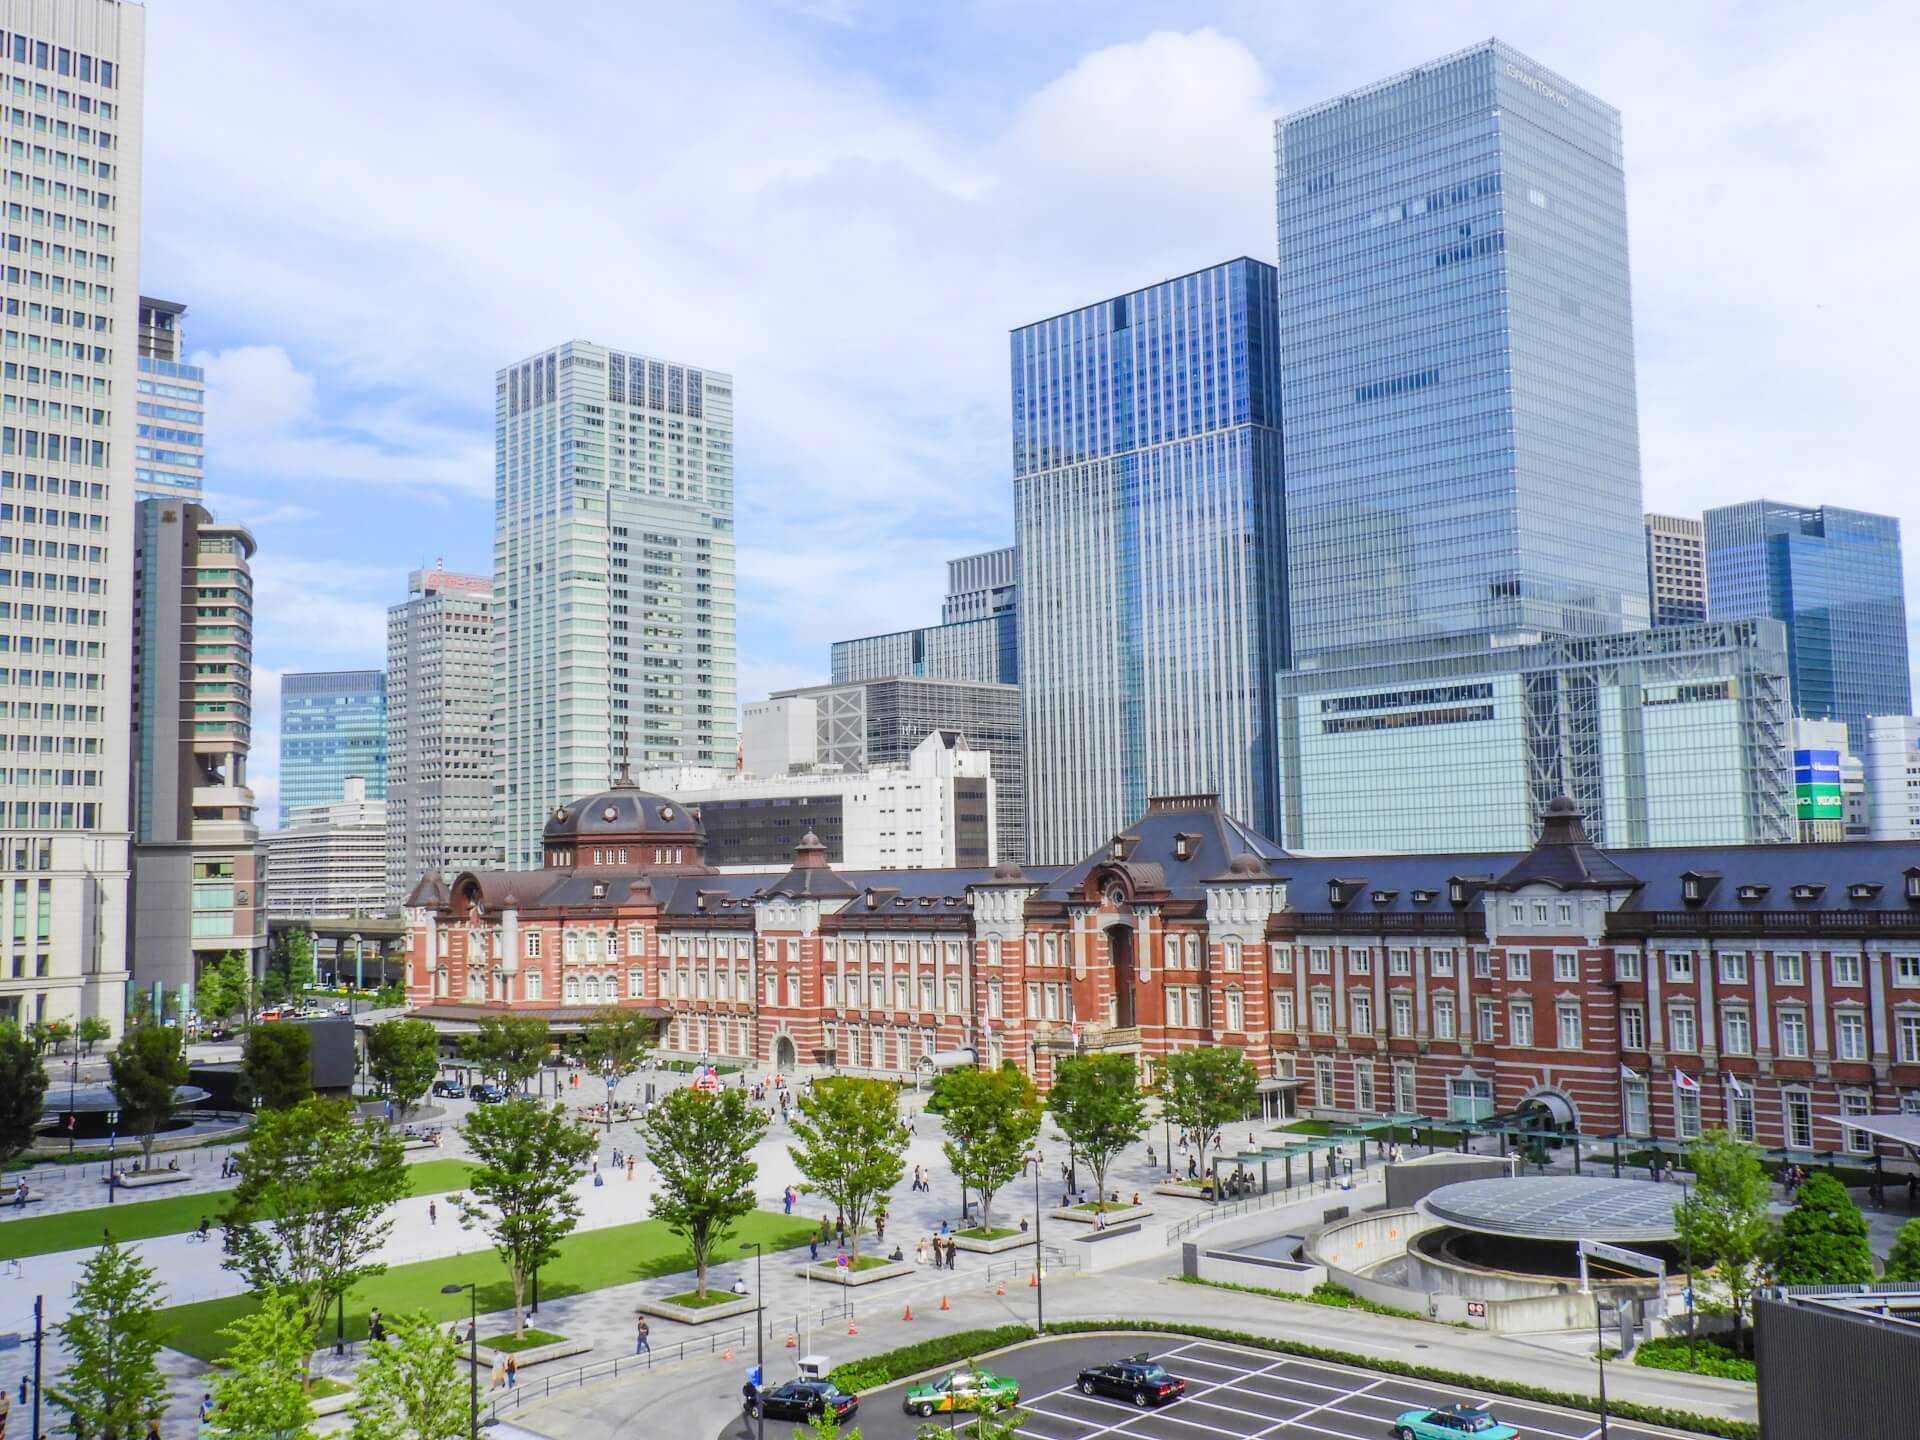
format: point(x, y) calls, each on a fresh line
point(1476, 1309)
point(841, 1260)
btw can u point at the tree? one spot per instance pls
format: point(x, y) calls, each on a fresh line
point(526, 1158)
point(310, 1211)
point(1823, 1239)
point(410, 1387)
point(615, 1041)
point(92, 1030)
point(825, 1425)
point(40, 1036)
point(146, 1069)
point(991, 1119)
point(263, 1395)
point(112, 1386)
point(59, 1032)
point(403, 1056)
point(390, 996)
point(1903, 1261)
point(852, 1145)
point(702, 1145)
point(277, 1064)
point(1097, 1104)
point(289, 967)
point(509, 1048)
point(23, 1087)
point(1725, 1219)
point(224, 985)
point(1201, 1090)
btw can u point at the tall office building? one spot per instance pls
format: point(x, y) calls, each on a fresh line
point(1676, 570)
point(439, 728)
point(1892, 774)
point(1458, 372)
point(170, 408)
point(613, 577)
point(1833, 578)
point(333, 727)
point(196, 848)
point(1152, 557)
point(75, 75)
point(1829, 784)
point(978, 637)
point(329, 861)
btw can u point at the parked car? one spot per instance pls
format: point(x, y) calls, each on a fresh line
point(488, 1093)
point(802, 1400)
point(1454, 1420)
point(450, 1089)
point(342, 1007)
point(1138, 1378)
point(963, 1390)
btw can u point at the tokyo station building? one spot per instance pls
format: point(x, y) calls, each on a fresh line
point(1769, 989)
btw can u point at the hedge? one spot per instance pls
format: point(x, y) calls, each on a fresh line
point(1512, 1389)
point(1325, 1293)
point(1711, 1357)
point(858, 1375)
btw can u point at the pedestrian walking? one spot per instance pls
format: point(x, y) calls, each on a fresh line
point(840, 1231)
point(813, 1247)
point(433, 1213)
point(513, 1372)
point(499, 1376)
point(953, 1254)
point(629, 1169)
point(641, 1345)
point(880, 1228)
point(786, 1200)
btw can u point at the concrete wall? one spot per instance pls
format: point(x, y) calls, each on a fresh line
point(1411, 1181)
point(1232, 1267)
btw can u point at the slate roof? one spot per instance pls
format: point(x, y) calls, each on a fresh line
point(625, 810)
point(1565, 858)
point(1152, 850)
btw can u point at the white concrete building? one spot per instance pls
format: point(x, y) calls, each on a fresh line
point(329, 863)
point(1830, 785)
point(938, 811)
point(613, 577)
point(780, 736)
point(75, 73)
point(1892, 766)
point(439, 728)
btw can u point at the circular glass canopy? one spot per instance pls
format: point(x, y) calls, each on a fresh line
point(1558, 1207)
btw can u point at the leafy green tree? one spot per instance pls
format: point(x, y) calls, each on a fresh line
point(825, 1425)
point(410, 1387)
point(224, 986)
point(852, 1145)
point(403, 1056)
point(59, 1032)
point(40, 1036)
point(509, 1048)
point(1201, 1090)
point(527, 1157)
point(1725, 1217)
point(289, 971)
point(991, 1118)
point(1823, 1238)
point(702, 1145)
point(145, 1070)
point(277, 1064)
point(92, 1030)
point(615, 1041)
point(311, 1210)
point(112, 1386)
point(390, 996)
point(23, 1086)
point(264, 1393)
point(1903, 1261)
point(1097, 1104)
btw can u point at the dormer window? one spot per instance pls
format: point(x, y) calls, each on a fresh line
point(1913, 885)
point(1423, 897)
point(1339, 892)
point(1750, 893)
point(1808, 892)
point(1185, 845)
point(1456, 892)
point(1119, 849)
point(600, 891)
point(1697, 885)
point(1384, 897)
point(1690, 890)
point(1863, 890)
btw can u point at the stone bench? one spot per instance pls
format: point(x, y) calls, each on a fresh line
point(143, 1179)
point(9, 1201)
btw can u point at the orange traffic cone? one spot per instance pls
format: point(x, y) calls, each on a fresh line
point(727, 1354)
point(909, 1314)
point(792, 1343)
point(1000, 1288)
point(943, 1303)
point(1033, 1278)
point(852, 1329)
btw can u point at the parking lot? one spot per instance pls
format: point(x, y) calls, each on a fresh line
point(1232, 1394)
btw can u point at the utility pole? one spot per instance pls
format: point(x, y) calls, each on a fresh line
point(39, 1337)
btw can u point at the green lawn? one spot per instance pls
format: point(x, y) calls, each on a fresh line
point(865, 1262)
point(998, 1232)
point(694, 1300)
point(508, 1343)
point(170, 1215)
point(589, 1260)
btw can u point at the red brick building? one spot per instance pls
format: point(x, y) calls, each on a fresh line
point(1651, 992)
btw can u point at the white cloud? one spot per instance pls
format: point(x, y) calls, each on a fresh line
point(254, 388)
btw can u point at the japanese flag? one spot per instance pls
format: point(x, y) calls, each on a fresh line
point(1626, 1074)
point(1684, 1081)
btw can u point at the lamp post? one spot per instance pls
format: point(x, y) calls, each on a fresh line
point(1600, 1358)
point(759, 1330)
point(1039, 1269)
point(1686, 1192)
point(473, 1354)
point(1166, 1137)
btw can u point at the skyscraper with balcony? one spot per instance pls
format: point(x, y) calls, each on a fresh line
point(613, 577)
point(439, 728)
point(1833, 578)
point(170, 407)
point(1152, 553)
point(75, 75)
point(1462, 440)
point(333, 726)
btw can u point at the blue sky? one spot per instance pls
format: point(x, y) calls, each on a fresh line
point(368, 207)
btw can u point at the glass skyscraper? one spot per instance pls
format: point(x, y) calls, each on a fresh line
point(333, 724)
point(1833, 577)
point(1152, 553)
point(1462, 443)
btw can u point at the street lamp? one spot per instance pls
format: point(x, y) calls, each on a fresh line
point(760, 1329)
point(1039, 1270)
point(1686, 1192)
point(473, 1354)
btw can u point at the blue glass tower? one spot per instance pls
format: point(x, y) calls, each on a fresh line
point(1462, 446)
point(1833, 577)
point(333, 724)
point(1148, 514)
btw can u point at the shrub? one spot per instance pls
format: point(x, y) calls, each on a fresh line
point(1325, 1293)
point(1710, 1358)
point(858, 1375)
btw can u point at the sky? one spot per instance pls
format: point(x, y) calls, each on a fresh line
point(369, 207)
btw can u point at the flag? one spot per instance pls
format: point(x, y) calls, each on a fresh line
point(1733, 1084)
point(1626, 1074)
point(1684, 1081)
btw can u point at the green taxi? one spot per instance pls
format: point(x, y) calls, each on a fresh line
point(963, 1390)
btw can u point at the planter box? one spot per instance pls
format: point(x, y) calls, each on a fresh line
point(831, 1274)
point(333, 1404)
point(537, 1355)
point(696, 1314)
point(1184, 1192)
point(147, 1178)
point(1014, 1241)
point(1124, 1216)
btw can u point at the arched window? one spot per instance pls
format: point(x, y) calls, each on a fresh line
point(571, 945)
point(533, 984)
point(571, 989)
point(593, 947)
point(533, 944)
point(590, 988)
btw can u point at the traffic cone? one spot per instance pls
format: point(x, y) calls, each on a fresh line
point(727, 1354)
point(1000, 1288)
point(792, 1343)
point(943, 1303)
point(1033, 1278)
point(909, 1314)
point(852, 1329)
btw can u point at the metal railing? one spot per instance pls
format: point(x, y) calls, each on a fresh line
point(1253, 1204)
